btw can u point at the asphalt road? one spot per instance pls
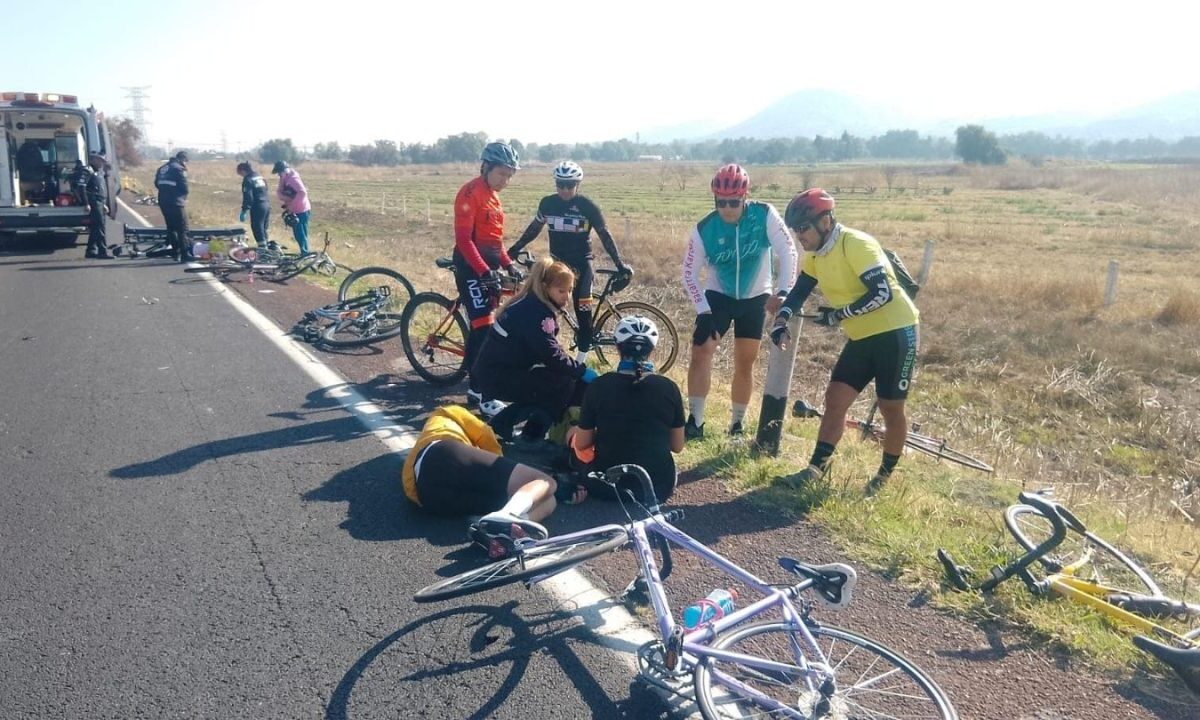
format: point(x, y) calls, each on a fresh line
point(189, 529)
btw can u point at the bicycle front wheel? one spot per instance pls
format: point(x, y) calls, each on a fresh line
point(871, 680)
point(936, 448)
point(1106, 565)
point(434, 335)
point(544, 558)
point(666, 352)
point(360, 282)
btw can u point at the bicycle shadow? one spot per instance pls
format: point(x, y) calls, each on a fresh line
point(489, 649)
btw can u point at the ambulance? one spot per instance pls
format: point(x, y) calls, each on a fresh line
point(44, 138)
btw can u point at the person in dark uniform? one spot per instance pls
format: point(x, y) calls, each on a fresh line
point(256, 202)
point(521, 360)
point(571, 218)
point(172, 183)
point(93, 187)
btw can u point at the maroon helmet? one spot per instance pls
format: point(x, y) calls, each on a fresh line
point(806, 207)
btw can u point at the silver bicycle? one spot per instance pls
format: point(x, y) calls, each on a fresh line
point(768, 659)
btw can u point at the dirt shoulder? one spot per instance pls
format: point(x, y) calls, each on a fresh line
point(991, 672)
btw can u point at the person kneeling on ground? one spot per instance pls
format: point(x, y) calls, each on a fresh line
point(455, 468)
point(632, 415)
point(521, 360)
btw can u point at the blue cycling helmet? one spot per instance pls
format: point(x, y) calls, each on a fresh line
point(498, 153)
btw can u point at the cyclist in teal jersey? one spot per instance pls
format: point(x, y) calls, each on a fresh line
point(734, 245)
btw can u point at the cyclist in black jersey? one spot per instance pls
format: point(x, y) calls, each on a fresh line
point(571, 218)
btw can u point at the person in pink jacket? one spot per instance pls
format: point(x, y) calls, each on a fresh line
point(294, 196)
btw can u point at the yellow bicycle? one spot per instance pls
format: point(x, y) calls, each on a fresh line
point(1081, 567)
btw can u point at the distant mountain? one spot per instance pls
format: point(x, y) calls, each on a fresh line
point(808, 113)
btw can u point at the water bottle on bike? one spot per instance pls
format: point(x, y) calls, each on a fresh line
point(718, 604)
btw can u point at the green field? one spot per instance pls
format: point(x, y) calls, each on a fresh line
point(1021, 362)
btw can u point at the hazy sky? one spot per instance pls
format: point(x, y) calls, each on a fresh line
point(559, 71)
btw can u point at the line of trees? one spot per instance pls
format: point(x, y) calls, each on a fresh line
point(972, 144)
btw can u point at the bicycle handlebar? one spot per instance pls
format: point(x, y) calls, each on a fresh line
point(1055, 513)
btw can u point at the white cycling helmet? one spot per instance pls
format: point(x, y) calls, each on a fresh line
point(567, 171)
point(636, 337)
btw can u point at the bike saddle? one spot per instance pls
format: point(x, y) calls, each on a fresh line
point(833, 583)
point(1155, 607)
point(444, 263)
point(1185, 662)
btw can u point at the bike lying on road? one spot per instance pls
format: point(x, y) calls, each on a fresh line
point(741, 663)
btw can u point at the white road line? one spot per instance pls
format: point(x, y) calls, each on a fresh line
point(613, 626)
point(135, 213)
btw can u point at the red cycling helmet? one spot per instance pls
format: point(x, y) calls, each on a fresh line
point(731, 181)
point(806, 207)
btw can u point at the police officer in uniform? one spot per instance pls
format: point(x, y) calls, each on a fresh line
point(172, 183)
point(256, 202)
point(92, 188)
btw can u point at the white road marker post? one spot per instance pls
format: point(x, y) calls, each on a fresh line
point(780, 365)
point(1110, 285)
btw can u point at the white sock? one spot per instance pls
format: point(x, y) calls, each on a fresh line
point(518, 505)
point(738, 414)
point(581, 356)
point(696, 406)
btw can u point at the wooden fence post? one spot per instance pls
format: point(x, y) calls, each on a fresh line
point(628, 230)
point(1110, 285)
point(428, 216)
point(780, 365)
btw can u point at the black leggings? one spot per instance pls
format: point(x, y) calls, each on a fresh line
point(477, 301)
point(260, 218)
point(454, 478)
point(175, 217)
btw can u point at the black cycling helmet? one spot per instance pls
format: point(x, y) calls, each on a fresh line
point(279, 167)
point(498, 153)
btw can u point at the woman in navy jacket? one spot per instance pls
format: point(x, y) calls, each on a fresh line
point(521, 360)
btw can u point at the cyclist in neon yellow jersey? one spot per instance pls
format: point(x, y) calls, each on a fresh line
point(877, 315)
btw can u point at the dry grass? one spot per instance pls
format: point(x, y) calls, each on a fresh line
point(1021, 363)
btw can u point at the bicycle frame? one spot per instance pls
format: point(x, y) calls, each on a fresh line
point(1093, 595)
point(694, 645)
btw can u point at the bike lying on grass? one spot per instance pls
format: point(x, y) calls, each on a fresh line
point(1076, 564)
point(931, 446)
point(787, 666)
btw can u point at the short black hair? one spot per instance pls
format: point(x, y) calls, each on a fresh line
point(181, 155)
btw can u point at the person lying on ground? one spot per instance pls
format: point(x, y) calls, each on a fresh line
point(455, 468)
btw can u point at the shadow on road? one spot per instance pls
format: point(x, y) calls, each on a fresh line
point(486, 651)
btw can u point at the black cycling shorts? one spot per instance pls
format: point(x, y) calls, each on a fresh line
point(748, 316)
point(454, 478)
point(887, 358)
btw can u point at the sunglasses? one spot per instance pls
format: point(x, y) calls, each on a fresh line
point(801, 228)
point(566, 185)
point(736, 202)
